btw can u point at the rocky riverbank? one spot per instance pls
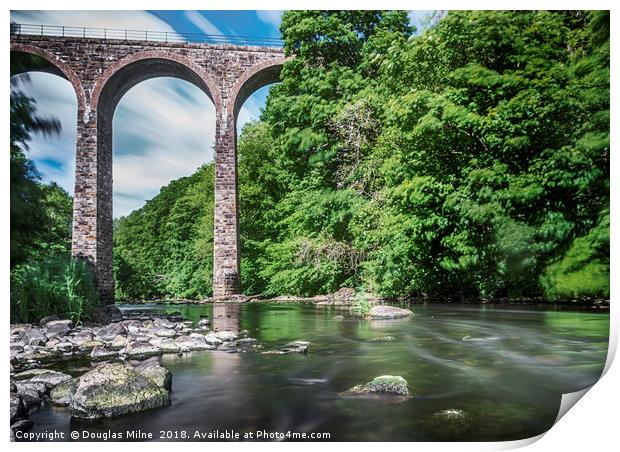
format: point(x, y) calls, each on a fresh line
point(122, 374)
point(115, 369)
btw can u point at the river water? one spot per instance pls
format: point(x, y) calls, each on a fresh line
point(504, 368)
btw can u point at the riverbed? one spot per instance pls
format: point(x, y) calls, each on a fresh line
point(478, 373)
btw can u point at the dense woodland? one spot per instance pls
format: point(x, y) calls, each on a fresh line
point(470, 160)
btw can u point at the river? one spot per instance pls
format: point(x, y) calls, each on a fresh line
point(503, 368)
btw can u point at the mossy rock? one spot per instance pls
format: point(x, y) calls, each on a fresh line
point(62, 395)
point(113, 390)
point(385, 385)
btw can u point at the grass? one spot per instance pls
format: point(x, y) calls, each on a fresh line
point(56, 286)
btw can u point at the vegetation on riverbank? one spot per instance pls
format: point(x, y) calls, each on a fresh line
point(44, 278)
point(469, 161)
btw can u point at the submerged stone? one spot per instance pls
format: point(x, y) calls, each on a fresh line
point(383, 339)
point(383, 385)
point(450, 422)
point(384, 312)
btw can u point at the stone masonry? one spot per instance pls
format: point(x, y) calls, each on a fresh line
point(101, 71)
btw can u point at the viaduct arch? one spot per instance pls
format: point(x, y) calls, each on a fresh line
point(101, 71)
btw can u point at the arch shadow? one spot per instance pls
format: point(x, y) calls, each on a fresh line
point(50, 63)
point(252, 79)
point(124, 74)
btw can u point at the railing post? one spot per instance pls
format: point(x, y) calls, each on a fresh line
point(105, 33)
point(166, 36)
point(84, 32)
point(125, 35)
point(41, 30)
point(146, 35)
point(63, 31)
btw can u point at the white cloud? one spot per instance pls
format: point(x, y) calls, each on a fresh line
point(140, 20)
point(173, 124)
point(202, 22)
point(272, 17)
point(54, 155)
point(163, 128)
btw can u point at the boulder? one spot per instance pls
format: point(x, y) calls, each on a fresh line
point(88, 345)
point(192, 343)
point(62, 395)
point(164, 332)
point(296, 347)
point(384, 312)
point(106, 314)
point(204, 323)
point(383, 385)
point(65, 347)
point(45, 320)
point(338, 318)
point(81, 337)
point(28, 374)
point(166, 344)
point(18, 410)
point(34, 336)
point(159, 375)
point(30, 400)
point(100, 353)
point(57, 328)
point(22, 426)
point(212, 339)
point(31, 391)
point(226, 336)
point(164, 323)
point(119, 342)
point(109, 332)
point(114, 390)
point(51, 379)
point(141, 350)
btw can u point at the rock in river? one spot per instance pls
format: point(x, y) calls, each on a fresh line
point(51, 379)
point(383, 385)
point(384, 312)
point(141, 350)
point(114, 390)
point(57, 328)
point(157, 374)
point(62, 394)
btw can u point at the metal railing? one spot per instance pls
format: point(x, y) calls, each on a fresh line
point(140, 35)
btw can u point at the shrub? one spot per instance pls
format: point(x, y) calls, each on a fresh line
point(61, 286)
point(362, 305)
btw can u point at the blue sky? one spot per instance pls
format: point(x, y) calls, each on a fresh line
point(164, 128)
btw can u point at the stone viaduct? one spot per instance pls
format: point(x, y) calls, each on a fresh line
point(101, 71)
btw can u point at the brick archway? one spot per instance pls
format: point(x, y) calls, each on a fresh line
point(63, 69)
point(257, 76)
point(185, 69)
point(101, 71)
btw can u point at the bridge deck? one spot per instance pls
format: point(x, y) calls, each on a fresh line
point(168, 37)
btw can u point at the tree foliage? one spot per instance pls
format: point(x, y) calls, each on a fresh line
point(471, 160)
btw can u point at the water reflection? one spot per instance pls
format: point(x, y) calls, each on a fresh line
point(505, 368)
point(226, 316)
